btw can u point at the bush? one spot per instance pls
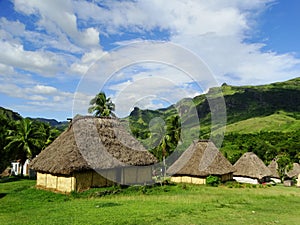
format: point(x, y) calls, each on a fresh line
point(213, 181)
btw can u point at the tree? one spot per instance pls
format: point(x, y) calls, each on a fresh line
point(5, 125)
point(101, 106)
point(284, 165)
point(169, 137)
point(25, 140)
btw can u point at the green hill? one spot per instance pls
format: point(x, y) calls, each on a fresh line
point(10, 114)
point(252, 110)
point(278, 122)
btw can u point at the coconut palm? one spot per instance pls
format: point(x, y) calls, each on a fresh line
point(174, 130)
point(168, 137)
point(25, 140)
point(101, 106)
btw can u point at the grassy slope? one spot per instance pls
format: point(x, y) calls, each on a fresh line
point(278, 122)
point(22, 204)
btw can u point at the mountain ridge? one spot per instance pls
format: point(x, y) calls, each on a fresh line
point(263, 112)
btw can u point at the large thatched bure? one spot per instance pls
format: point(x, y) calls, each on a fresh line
point(273, 167)
point(93, 152)
point(251, 169)
point(201, 159)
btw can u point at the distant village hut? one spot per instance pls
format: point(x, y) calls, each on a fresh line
point(294, 172)
point(201, 159)
point(93, 152)
point(273, 167)
point(293, 175)
point(251, 169)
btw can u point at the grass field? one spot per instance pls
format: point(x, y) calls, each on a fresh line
point(277, 122)
point(21, 203)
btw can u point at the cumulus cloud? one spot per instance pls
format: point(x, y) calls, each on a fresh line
point(61, 14)
point(43, 89)
point(82, 65)
point(214, 30)
point(37, 61)
point(59, 39)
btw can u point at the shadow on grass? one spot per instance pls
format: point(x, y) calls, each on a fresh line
point(107, 204)
point(2, 195)
point(9, 179)
point(15, 178)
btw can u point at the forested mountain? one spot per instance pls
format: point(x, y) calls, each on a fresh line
point(11, 115)
point(264, 119)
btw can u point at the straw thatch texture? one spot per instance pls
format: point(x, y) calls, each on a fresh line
point(249, 165)
point(201, 159)
point(92, 143)
point(273, 167)
point(295, 171)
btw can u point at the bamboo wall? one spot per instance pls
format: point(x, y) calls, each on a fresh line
point(61, 183)
point(198, 180)
point(190, 180)
point(81, 181)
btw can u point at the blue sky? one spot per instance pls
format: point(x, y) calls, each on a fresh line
point(53, 52)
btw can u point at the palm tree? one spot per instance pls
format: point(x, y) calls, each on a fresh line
point(174, 130)
point(168, 140)
point(168, 137)
point(25, 140)
point(101, 106)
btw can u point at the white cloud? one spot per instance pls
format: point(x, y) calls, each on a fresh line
point(37, 98)
point(81, 66)
point(44, 63)
point(214, 30)
point(153, 89)
point(63, 40)
point(61, 14)
point(43, 89)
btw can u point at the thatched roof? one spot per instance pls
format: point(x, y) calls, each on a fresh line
point(273, 166)
point(92, 143)
point(295, 171)
point(249, 165)
point(202, 158)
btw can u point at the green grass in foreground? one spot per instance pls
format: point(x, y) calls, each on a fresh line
point(21, 203)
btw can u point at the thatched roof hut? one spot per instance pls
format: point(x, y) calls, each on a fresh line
point(295, 171)
point(201, 159)
point(273, 167)
point(90, 143)
point(252, 167)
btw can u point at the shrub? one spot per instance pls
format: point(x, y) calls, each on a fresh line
point(213, 181)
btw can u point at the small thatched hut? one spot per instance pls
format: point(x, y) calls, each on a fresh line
point(251, 169)
point(273, 167)
point(93, 152)
point(294, 172)
point(201, 159)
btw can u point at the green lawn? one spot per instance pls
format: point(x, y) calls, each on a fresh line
point(21, 203)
